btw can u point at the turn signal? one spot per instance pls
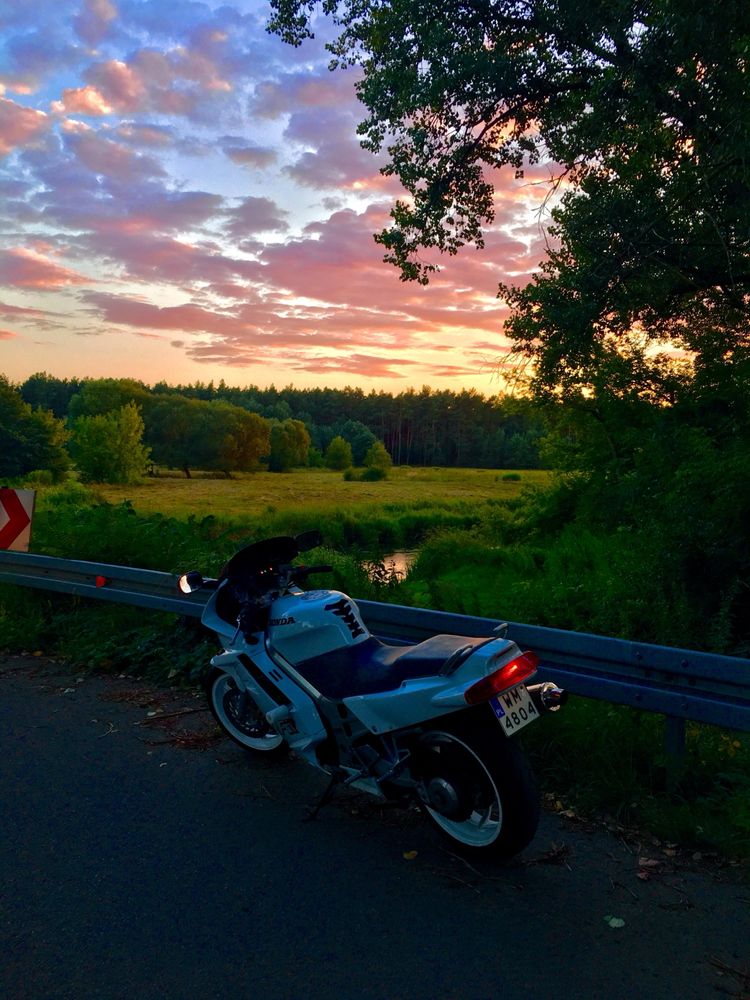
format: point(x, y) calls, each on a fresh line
point(514, 672)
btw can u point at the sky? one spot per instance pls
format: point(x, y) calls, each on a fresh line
point(183, 197)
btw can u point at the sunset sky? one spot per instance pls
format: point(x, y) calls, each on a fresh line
point(184, 197)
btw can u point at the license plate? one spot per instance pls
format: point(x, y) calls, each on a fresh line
point(514, 709)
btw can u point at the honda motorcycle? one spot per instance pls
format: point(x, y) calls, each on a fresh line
point(431, 723)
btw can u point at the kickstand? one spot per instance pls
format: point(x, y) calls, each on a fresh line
point(325, 798)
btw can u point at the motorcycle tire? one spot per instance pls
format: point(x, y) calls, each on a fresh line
point(239, 716)
point(477, 789)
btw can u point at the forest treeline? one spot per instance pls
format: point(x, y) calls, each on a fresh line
point(227, 428)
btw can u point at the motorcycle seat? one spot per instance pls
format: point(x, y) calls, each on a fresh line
point(372, 666)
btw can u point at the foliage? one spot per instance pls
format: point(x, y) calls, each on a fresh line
point(50, 393)
point(242, 439)
point(377, 457)
point(338, 454)
point(30, 439)
point(425, 427)
point(100, 396)
point(108, 447)
point(643, 107)
point(289, 442)
point(374, 473)
point(182, 432)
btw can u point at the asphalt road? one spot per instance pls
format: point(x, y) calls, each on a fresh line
point(133, 867)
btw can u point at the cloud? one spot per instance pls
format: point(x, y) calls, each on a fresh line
point(21, 311)
point(7, 335)
point(255, 215)
point(101, 155)
point(145, 134)
point(295, 90)
point(257, 157)
point(82, 101)
point(93, 23)
point(19, 126)
point(24, 268)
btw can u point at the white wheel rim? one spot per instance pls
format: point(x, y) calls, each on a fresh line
point(485, 823)
point(222, 690)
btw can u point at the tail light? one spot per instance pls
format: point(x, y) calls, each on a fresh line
point(516, 671)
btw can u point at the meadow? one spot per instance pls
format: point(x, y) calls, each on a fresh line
point(319, 491)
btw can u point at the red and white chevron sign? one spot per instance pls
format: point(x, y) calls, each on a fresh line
point(16, 512)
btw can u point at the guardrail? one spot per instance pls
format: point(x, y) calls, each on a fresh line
point(678, 683)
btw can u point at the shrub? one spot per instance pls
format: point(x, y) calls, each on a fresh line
point(338, 454)
point(374, 474)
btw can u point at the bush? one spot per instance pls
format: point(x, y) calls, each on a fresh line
point(108, 447)
point(338, 454)
point(374, 474)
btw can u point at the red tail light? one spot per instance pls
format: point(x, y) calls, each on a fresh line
point(514, 672)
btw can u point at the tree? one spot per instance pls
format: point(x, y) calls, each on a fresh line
point(103, 395)
point(642, 109)
point(338, 454)
point(358, 436)
point(246, 439)
point(30, 439)
point(200, 434)
point(108, 448)
point(290, 443)
point(50, 393)
point(377, 457)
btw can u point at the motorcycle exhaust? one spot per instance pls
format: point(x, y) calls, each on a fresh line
point(547, 697)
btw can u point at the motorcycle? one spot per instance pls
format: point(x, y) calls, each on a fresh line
point(431, 723)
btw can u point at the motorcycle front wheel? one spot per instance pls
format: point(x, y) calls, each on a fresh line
point(477, 788)
point(240, 717)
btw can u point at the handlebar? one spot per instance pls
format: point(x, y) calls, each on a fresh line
point(302, 572)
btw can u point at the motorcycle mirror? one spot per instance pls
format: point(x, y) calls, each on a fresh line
point(308, 540)
point(190, 582)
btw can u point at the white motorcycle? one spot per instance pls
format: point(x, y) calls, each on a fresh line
point(426, 723)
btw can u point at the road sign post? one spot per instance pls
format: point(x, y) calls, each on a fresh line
point(16, 513)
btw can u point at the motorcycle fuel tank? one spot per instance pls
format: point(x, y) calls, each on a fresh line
point(309, 624)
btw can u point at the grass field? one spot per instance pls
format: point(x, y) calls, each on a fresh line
point(322, 490)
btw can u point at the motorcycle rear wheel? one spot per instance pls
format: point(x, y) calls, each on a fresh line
point(240, 717)
point(478, 790)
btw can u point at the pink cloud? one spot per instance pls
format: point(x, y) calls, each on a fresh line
point(257, 157)
point(255, 215)
point(119, 84)
point(272, 98)
point(175, 82)
point(7, 335)
point(112, 159)
point(92, 24)
point(26, 269)
point(19, 126)
point(22, 311)
point(82, 101)
point(145, 135)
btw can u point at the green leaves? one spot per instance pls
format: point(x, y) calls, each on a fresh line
point(645, 111)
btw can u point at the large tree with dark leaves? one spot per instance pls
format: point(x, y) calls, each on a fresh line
point(643, 106)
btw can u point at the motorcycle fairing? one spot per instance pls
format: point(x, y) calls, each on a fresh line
point(303, 726)
point(372, 666)
point(419, 699)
